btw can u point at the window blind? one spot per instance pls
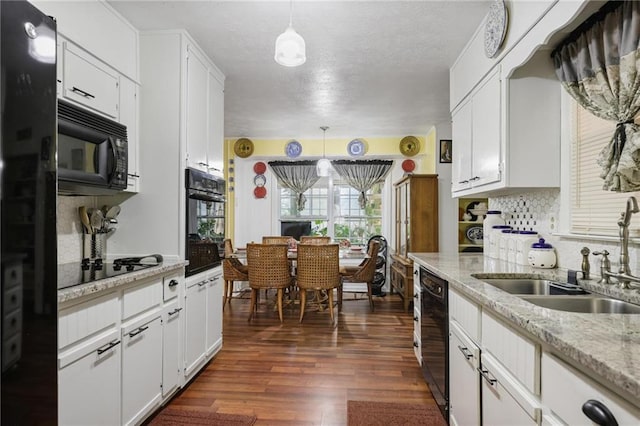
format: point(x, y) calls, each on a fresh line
point(594, 211)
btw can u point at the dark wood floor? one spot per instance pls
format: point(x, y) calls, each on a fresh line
point(304, 374)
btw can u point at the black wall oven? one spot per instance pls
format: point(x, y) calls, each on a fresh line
point(434, 316)
point(205, 212)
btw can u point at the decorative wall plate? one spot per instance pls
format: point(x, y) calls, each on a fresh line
point(409, 146)
point(259, 180)
point(259, 168)
point(259, 192)
point(293, 149)
point(474, 233)
point(408, 166)
point(356, 148)
point(243, 147)
point(495, 28)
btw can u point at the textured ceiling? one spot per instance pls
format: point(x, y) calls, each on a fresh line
point(373, 68)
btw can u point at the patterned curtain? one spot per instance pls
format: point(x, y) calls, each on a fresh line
point(362, 174)
point(298, 176)
point(598, 65)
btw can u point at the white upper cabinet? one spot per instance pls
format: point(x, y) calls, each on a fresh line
point(197, 109)
point(215, 151)
point(129, 117)
point(88, 82)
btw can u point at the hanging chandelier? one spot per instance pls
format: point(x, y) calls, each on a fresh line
point(324, 166)
point(290, 46)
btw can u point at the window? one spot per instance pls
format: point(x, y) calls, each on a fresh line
point(594, 211)
point(342, 218)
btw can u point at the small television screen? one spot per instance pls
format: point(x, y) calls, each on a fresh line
point(295, 229)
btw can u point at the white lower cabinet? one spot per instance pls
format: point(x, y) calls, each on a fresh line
point(504, 400)
point(195, 325)
point(171, 348)
point(141, 369)
point(464, 381)
point(565, 391)
point(89, 383)
point(214, 313)
point(203, 319)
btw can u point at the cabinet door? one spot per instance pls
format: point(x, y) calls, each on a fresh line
point(129, 117)
point(197, 110)
point(464, 381)
point(141, 370)
point(195, 326)
point(89, 384)
point(90, 83)
point(485, 130)
point(461, 162)
point(171, 348)
point(215, 154)
point(214, 313)
point(402, 202)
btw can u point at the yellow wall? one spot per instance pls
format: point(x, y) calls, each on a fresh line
point(334, 148)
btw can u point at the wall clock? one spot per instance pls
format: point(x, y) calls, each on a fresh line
point(495, 28)
point(356, 148)
point(293, 149)
point(409, 146)
point(243, 147)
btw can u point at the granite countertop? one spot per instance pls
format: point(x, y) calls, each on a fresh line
point(606, 344)
point(78, 291)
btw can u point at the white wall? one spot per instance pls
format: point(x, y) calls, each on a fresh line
point(447, 206)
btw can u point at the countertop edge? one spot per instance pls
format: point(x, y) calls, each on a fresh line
point(76, 292)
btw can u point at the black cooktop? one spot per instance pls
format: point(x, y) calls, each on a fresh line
point(72, 274)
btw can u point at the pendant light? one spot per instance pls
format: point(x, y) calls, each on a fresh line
point(324, 166)
point(290, 47)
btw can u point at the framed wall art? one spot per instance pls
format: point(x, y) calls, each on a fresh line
point(445, 150)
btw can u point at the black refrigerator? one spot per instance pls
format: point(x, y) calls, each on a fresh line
point(29, 389)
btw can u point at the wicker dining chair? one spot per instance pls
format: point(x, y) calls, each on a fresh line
point(276, 239)
point(233, 270)
point(318, 269)
point(268, 268)
point(366, 271)
point(318, 240)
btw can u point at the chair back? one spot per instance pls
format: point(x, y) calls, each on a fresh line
point(268, 266)
point(228, 248)
point(318, 240)
point(234, 270)
point(276, 239)
point(318, 266)
point(368, 269)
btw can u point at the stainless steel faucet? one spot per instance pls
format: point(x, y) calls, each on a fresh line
point(624, 271)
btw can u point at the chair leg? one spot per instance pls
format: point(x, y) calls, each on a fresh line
point(254, 294)
point(339, 288)
point(226, 291)
point(331, 303)
point(280, 292)
point(303, 302)
point(370, 296)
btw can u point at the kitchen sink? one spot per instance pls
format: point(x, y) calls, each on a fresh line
point(533, 286)
point(584, 304)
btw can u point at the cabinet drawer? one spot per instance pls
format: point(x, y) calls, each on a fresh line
point(12, 275)
point(565, 390)
point(12, 323)
point(171, 286)
point(141, 298)
point(87, 319)
point(89, 82)
point(12, 299)
point(520, 356)
point(504, 400)
point(465, 313)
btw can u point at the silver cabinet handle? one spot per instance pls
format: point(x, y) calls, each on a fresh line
point(108, 346)
point(138, 331)
point(475, 178)
point(485, 375)
point(82, 92)
point(464, 181)
point(175, 311)
point(465, 352)
point(173, 283)
point(201, 283)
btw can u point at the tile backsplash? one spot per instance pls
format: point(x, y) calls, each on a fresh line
point(539, 211)
point(69, 227)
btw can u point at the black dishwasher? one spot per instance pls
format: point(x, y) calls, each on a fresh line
point(434, 315)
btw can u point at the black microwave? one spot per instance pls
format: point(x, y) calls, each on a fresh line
point(92, 152)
